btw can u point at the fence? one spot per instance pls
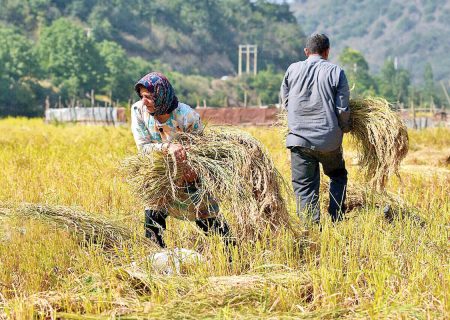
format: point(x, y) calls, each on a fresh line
point(94, 115)
point(422, 119)
point(253, 116)
point(238, 116)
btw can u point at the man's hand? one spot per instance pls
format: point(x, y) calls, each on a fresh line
point(348, 127)
point(179, 153)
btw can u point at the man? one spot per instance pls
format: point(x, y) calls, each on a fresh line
point(315, 93)
point(155, 121)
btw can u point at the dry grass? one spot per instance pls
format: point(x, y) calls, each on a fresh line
point(366, 267)
point(361, 197)
point(380, 137)
point(87, 227)
point(231, 165)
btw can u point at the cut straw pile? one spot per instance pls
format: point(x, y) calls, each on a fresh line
point(88, 228)
point(231, 166)
point(380, 137)
point(359, 196)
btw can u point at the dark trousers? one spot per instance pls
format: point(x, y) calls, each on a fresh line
point(155, 224)
point(306, 181)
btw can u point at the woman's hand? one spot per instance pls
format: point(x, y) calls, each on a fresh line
point(179, 153)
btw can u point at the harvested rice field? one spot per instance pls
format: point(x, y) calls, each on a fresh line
point(72, 245)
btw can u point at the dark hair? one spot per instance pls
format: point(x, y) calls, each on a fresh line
point(318, 43)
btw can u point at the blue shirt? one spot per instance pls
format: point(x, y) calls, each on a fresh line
point(315, 93)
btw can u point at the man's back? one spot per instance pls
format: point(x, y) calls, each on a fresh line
point(316, 93)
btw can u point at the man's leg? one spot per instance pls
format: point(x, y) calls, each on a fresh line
point(155, 224)
point(334, 167)
point(306, 182)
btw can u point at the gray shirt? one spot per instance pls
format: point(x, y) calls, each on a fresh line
point(315, 93)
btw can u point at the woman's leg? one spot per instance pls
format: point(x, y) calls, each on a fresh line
point(216, 225)
point(155, 224)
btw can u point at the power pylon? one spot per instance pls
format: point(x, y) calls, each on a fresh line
point(248, 50)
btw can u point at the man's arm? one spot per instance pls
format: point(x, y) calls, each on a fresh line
point(342, 102)
point(141, 134)
point(284, 90)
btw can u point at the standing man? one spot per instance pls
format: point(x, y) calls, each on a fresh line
point(315, 93)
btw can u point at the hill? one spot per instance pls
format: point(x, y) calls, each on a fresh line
point(191, 36)
point(415, 32)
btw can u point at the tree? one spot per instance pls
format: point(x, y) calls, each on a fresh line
point(69, 58)
point(118, 81)
point(357, 71)
point(19, 90)
point(101, 26)
point(267, 85)
point(429, 91)
point(394, 83)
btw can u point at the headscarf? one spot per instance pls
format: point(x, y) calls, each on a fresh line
point(163, 94)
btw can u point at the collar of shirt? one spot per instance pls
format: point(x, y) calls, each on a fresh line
point(314, 57)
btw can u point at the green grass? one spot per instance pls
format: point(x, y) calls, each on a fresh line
point(364, 267)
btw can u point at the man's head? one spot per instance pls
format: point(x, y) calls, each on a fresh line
point(318, 44)
point(157, 94)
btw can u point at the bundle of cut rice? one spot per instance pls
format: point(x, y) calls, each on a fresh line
point(380, 137)
point(89, 228)
point(232, 167)
point(359, 196)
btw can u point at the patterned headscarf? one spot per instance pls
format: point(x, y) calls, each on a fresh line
point(163, 94)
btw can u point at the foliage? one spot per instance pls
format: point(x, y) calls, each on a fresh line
point(412, 31)
point(118, 78)
point(357, 71)
point(69, 58)
point(106, 46)
point(429, 86)
point(394, 83)
point(201, 29)
point(267, 85)
point(19, 91)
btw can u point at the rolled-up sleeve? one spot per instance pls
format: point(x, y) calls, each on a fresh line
point(342, 102)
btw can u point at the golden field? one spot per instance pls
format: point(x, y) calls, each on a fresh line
point(363, 267)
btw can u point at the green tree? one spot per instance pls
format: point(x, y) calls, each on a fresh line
point(429, 90)
point(357, 71)
point(267, 85)
point(19, 89)
point(394, 83)
point(193, 36)
point(69, 58)
point(101, 26)
point(118, 81)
